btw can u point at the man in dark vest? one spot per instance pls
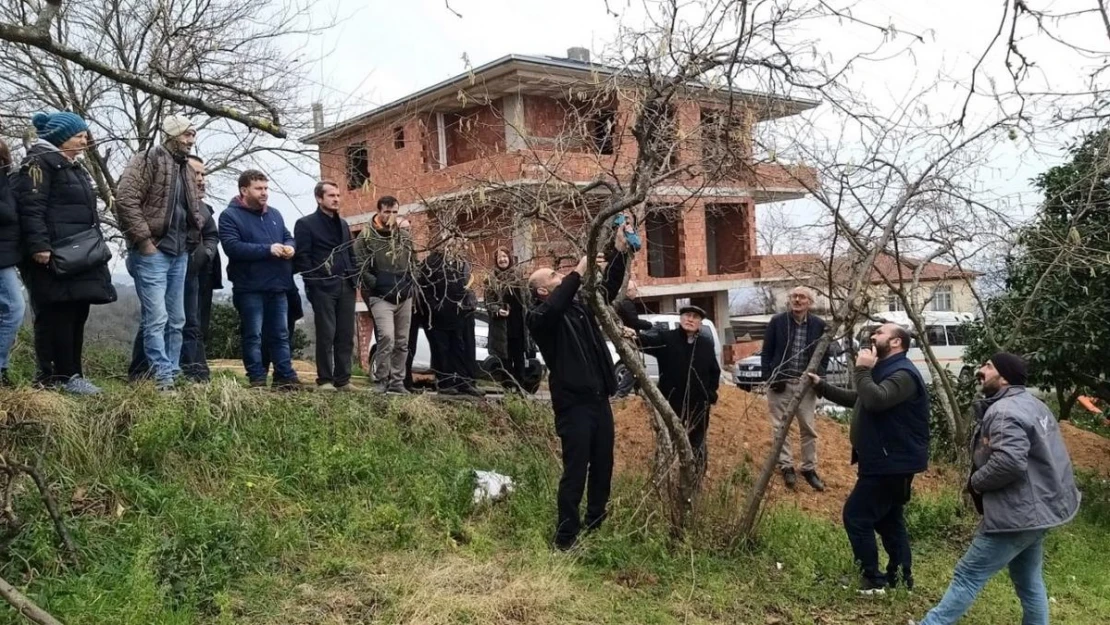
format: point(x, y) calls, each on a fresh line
point(890, 444)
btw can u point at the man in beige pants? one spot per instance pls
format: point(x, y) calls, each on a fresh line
point(788, 345)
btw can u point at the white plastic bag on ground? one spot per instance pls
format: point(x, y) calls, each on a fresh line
point(491, 486)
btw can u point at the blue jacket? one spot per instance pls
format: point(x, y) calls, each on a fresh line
point(247, 236)
point(776, 345)
point(894, 441)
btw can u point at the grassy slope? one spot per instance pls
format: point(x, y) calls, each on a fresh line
point(230, 506)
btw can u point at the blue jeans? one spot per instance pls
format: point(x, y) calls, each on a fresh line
point(1022, 552)
point(160, 285)
point(12, 308)
point(264, 317)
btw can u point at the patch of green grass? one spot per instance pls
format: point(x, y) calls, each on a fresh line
point(224, 505)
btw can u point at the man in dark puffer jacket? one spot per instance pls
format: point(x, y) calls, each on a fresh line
point(160, 214)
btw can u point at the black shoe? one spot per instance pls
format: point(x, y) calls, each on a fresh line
point(892, 579)
point(563, 543)
point(789, 478)
point(872, 586)
point(473, 391)
point(292, 384)
point(258, 383)
point(814, 481)
point(449, 392)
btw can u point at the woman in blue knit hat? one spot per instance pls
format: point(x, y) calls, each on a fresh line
point(66, 268)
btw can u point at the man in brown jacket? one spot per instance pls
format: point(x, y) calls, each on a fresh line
point(159, 212)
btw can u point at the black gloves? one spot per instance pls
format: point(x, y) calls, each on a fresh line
point(777, 387)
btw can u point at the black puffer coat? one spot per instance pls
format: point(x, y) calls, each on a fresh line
point(56, 200)
point(10, 248)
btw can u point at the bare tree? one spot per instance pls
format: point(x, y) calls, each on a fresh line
point(125, 64)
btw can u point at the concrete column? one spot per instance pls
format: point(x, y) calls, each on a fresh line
point(720, 311)
point(513, 109)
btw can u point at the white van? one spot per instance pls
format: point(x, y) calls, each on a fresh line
point(944, 332)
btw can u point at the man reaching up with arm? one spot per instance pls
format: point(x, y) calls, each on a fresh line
point(582, 380)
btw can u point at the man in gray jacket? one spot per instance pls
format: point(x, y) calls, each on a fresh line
point(1023, 485)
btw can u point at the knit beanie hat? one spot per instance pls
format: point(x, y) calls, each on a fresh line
point(176, 125)
point(57, 128)
point(1012, 367)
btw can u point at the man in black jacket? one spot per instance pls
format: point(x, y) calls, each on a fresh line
point(581, 380)
point(788, 346)
point(689, 374)
point(890, 444)
point(326, 262)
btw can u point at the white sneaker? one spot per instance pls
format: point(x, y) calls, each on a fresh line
point(78, 385)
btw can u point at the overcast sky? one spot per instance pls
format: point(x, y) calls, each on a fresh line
point(383, 50)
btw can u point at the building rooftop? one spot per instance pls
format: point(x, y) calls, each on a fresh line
point(804, 266)
point(521, 73)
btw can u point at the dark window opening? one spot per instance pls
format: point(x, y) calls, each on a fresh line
point(727, 248)
point(399, 137)
point(602, 129)
point(358, 166)
point(663, 246)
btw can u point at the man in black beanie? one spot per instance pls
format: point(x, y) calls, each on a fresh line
point(1023, 485)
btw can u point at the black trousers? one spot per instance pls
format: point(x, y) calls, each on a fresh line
point(335, 333)
point(60, 338)
point(419, 322)
point(587, 434)
point(877, 504)
point(452, 363)
point(514, 362)
point(44, 347)
point(204, 306)
point(695, 417)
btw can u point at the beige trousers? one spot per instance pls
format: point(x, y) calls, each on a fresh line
point(807, 424)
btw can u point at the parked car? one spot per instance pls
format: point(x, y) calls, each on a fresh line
point(747, 373)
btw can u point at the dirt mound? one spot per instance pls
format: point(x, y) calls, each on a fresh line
point(740, 433)
point(1089, 451)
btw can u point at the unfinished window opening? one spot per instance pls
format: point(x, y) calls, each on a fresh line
point(724, 145)
point(727, 242)
point(358, 166)
point(602, 129)
point(663, 244)
point(399, 138)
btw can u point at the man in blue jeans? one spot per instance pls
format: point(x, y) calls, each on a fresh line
point(158, 208)
point(259, 249)
point(1023, 485)
point(193, 360)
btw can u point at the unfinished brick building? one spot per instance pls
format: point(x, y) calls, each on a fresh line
point(488, 146)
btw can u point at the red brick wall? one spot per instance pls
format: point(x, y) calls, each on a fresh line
point(411, 174)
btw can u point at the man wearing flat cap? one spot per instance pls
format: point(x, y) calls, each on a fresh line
point(1023, 485)
point(689, 374)
point(159, 212)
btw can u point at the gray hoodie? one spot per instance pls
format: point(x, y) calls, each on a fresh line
point(1021, 473)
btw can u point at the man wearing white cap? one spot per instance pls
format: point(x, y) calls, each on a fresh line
point(159, 212)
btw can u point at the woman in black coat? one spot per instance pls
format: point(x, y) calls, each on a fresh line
point(56, 201)
point(505, 295)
